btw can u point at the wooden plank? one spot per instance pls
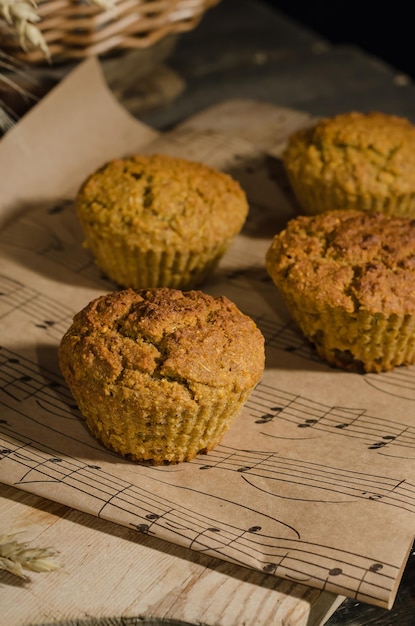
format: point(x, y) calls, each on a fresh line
point(109, 571)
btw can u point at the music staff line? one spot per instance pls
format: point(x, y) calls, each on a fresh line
point(49, 315)
point(268, 403)
point(44, 231)
point(399, 382)
point(305, 573)
point(307, 475)
point(213, 531)
point(283, 556)
point(22, 380)
point(270, 465)
point(44, 312)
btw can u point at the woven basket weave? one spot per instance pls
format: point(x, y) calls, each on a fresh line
point(75, 30)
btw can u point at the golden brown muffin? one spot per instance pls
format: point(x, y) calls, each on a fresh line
point(348, 279)
point(160, 374)
point(354, 161)
point(153, 221)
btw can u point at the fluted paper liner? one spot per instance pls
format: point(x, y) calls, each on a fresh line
point(141, 269)
point(318, 198)
point(315, 480)
point(380, 342)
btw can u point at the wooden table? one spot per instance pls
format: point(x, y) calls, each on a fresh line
point(111, 573)
point(242, 48)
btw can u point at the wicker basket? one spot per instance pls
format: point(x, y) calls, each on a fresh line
point(75, 30)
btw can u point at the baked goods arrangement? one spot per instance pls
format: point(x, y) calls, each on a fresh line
point(160, 370)
point(346, 268)
point(348, 279)
point(160, 374)
point(354, 160)
point(159, 221)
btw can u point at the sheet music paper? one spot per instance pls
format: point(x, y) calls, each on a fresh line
point(314, 482)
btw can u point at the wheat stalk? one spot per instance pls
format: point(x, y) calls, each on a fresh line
point(17, 556)
point(9, 66)
point(21, 15)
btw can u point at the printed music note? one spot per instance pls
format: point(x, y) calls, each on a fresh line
point(4, 452)
point(146, 527)
point(268, 417)
point(284, 336)
point(377, 433)
point(150, 513)
point(209, 538)
point(24, 381)
point(372, 577)
point(399, 382)
point(45, 469)
point(313, 481)
point(43, 312)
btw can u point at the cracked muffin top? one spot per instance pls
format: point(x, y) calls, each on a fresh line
point(189, 338)
point(158, 200)
point(360, 153)
point(348, 259)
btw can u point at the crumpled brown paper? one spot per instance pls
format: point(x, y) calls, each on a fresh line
point(315, 481)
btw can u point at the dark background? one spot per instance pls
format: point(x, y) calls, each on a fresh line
point(386, 30)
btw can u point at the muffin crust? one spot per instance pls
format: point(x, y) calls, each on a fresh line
point(348, 278)
point(160, 374)
point(157, 220)
point(354, 160)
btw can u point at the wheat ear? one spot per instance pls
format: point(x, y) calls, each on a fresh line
point(17, 556)
point(22, 16)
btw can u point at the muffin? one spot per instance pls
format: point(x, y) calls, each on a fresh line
point(348, 280)
point(160, 374)
point(354, 161)
point(159, 221)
